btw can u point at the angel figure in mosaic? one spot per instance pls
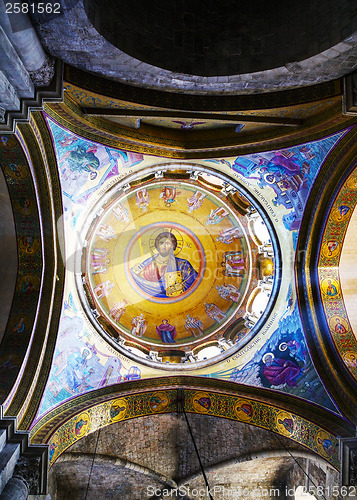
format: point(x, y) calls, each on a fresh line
point(121, 213)
point(228, 235)
point(103, 289)
point(142, 199)
point(168, 195)
point(118, 309)
point(195, 201)
point(216, 216)
point(106, 232)
point(100, 260)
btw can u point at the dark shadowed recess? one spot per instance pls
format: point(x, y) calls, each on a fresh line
point(222, 38)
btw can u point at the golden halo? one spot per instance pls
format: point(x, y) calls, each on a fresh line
point(267, 354)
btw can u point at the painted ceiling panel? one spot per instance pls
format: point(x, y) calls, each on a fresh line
point(270, 353)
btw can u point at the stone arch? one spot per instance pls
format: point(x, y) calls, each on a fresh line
point(86, 414)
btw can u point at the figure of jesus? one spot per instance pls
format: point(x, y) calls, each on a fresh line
point(164, 275)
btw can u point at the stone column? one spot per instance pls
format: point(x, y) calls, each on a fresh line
point(25, 42)
point(21, 33)
point(24, 481)
point(15, 489)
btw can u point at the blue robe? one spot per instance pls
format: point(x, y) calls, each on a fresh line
point(158, 288)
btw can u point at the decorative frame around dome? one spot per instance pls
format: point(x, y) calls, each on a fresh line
point(137, 207)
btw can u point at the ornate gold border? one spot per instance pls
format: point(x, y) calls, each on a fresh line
point(313, 420)
point(196, 144)
point(239, 407)
point(336, 375)
point(334, 307)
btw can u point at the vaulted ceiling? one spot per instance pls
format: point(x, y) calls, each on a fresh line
point(243, 156)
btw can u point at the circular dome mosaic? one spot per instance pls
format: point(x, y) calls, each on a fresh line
point(174, 266)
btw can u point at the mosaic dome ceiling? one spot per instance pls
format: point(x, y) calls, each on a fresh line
point(182, 268)
point(181, 272)
point(176, 270)
point(181, 251)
